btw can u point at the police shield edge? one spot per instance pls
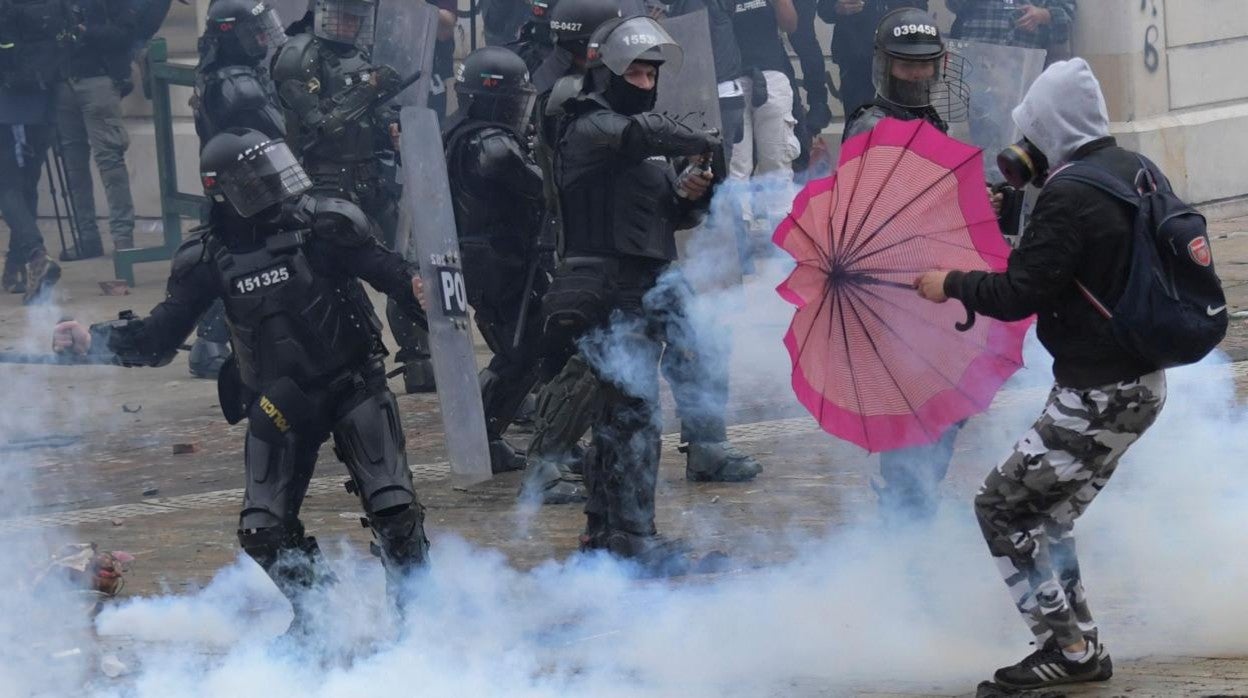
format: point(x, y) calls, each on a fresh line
point(288, 11)
point(998, 77)
point(405, 37)
point(431, 241)
point(692, 97)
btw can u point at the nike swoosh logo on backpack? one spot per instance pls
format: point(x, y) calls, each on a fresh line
point(1211, 311)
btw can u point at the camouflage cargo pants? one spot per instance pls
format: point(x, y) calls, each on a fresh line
point(1027, 506)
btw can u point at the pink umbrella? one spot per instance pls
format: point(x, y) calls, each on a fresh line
point(873, 362)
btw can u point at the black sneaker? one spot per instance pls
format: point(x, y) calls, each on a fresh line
point(1047, 666)
point(1102, 655)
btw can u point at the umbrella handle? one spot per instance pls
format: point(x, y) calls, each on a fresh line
point(970, 321)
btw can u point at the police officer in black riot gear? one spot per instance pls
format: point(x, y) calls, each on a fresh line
point(554, 457)
point(909, 73)
point(534, 42)
point(340, 127)
point(233, 90)
point(910, 81)
point(622, 202)
point(496, 190)
point(308, 351)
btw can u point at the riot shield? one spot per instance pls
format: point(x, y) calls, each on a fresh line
point(406, 33)
point(708, 252)
point(998, 77)
point(428, 237)
point(289, 11)
point(691, 95)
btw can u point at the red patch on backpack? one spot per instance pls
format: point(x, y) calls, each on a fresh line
point(1199, 250)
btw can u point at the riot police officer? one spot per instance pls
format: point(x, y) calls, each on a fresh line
point(496, 191)
point(622, 202)
point(233, 90)
point(910, 59)
point(551, 475)
point(908, 73)
point(307, 360)
point(339, 126)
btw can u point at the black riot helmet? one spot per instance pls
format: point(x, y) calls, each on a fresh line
point(346, 21)
point(250, 171)
point(909, 58)
point(492, 84)
point(614, 46)
point(242, 31)
point(573, 22)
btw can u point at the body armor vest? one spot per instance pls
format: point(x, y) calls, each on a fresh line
point(618, 208)
point(218, 93)
point(340, 163)
point(287, 320)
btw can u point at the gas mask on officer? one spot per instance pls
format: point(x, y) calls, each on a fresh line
point(1023, 163)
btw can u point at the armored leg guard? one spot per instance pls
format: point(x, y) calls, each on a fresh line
point(292, 560)
point(413, 355)
point(566, 408)
point(368, 438)
point(502, 393)
point(400, 534)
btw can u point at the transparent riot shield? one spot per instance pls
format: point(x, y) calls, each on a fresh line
point(998, 77)
point(405, 37)
point(428, 237)
point(691, 95)
point(709, 252)
point(289, 11)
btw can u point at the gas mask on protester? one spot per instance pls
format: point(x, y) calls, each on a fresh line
point(1023, 163)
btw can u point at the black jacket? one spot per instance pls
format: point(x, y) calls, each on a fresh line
point(1076, 232)
point(103, 46)
point(853, 41)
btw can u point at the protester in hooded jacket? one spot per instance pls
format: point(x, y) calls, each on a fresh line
point(1104, 397)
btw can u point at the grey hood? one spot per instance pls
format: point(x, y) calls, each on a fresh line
point(1063, 110)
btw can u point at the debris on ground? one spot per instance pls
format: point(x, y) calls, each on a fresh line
point(181, 449)
point(115, 287)
point(83, 567)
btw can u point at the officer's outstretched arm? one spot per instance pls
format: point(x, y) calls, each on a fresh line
point(155, 339)
point(649, 134)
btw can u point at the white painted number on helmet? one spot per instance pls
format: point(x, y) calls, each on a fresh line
point(639, 39)
point(566, 26)
point(907, 29)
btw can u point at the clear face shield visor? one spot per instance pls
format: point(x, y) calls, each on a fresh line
point(266, 175)
point(260, 33)
point(345, 21)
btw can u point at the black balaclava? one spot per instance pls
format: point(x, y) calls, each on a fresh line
point(628, 99)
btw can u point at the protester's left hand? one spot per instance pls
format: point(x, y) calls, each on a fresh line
point(931, 286)
point(418, 290)
point(696, 186)
point(1032, 18)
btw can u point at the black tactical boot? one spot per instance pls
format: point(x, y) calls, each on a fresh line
point(547, 482)
point(655, 555)
point(418, 376)
point(504, 458)
point(87, 249)
point(718, 461)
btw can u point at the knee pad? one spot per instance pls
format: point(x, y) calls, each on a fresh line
point(369, 441)
point(400, 532)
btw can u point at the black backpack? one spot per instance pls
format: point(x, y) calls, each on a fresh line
point(1173, 310)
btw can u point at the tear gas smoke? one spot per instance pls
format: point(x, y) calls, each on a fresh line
point(854, 606)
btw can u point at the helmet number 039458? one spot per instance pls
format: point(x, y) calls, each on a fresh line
point(907, 29)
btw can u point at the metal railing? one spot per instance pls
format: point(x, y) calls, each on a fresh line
point(160, 75)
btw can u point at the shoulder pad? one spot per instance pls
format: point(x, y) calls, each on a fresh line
point(341, 222)
point(566, 88)
point(497, 152)
point(190, 254)
point(296, 59)
point(862, 120)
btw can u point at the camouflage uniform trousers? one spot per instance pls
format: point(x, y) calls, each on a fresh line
point(1027, 506)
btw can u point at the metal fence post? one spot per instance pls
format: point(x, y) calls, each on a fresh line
point(174, 205)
